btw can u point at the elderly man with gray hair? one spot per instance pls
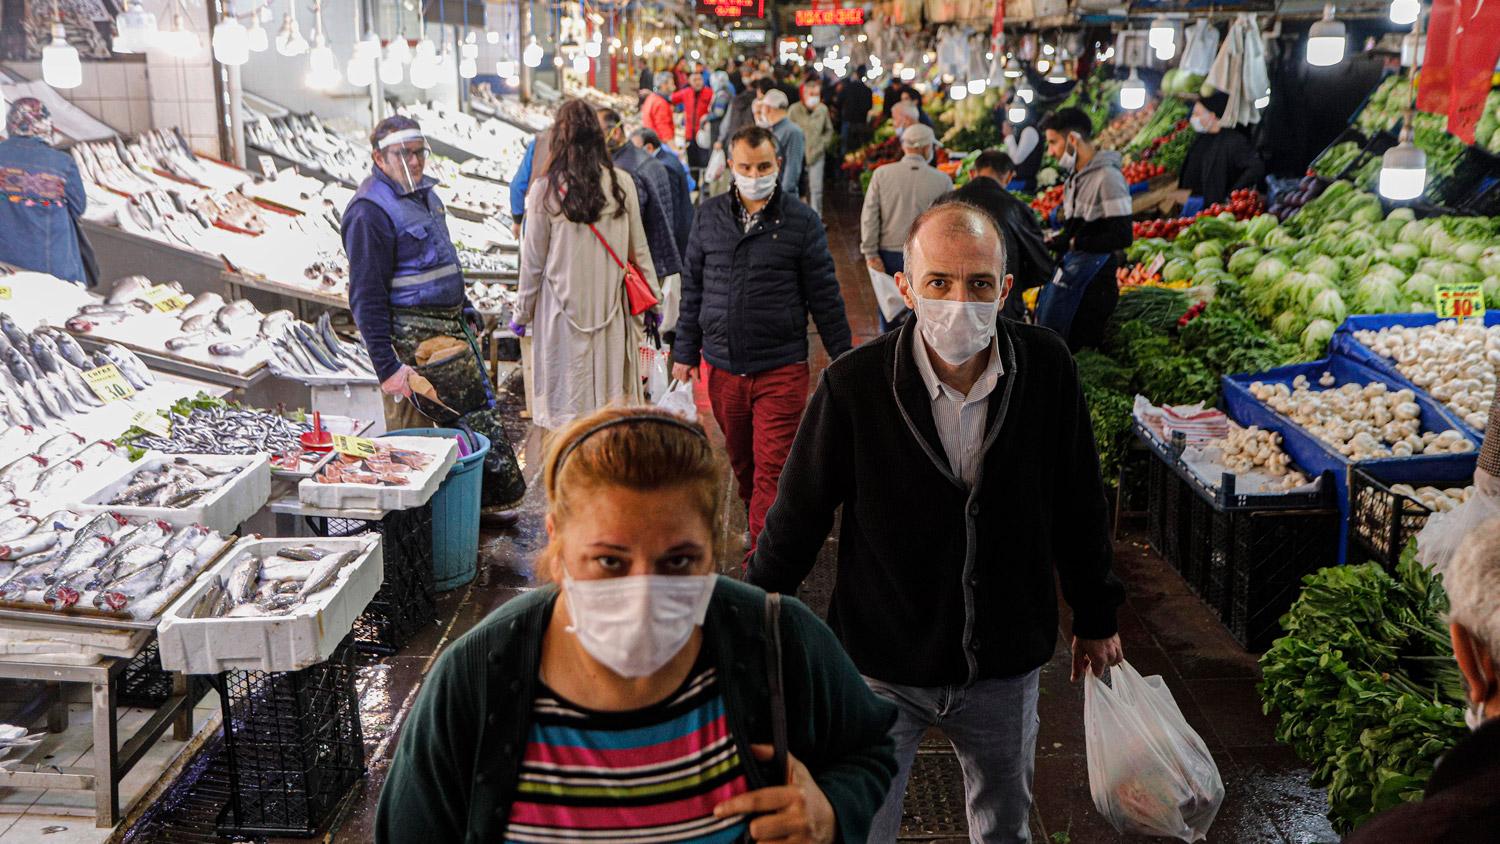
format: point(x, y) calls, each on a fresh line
point(898, 193)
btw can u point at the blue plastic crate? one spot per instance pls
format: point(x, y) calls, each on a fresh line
point(1316, 456)
point(1345, 344)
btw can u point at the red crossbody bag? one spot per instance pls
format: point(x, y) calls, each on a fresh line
point(637, 291)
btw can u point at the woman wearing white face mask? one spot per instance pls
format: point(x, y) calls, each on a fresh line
point(630, 698)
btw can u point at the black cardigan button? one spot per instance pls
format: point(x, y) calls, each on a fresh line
point(481, 778)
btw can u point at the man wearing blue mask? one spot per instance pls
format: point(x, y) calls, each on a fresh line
point(757, 266)
point(959, 449)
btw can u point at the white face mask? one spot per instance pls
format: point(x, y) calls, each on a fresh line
point(1474, 716)
point(812, 102)
point(1199, 126)
point(956, 331)
point(900, 130)
point(634, 625)
point(756, 188)
point(762, 121)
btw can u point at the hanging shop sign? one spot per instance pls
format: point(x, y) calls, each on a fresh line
point(747, 36)
point(732, 8)
point(830, 17)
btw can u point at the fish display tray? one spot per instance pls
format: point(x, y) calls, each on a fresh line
point(224, 510)
point(423, 484)
point(306, 636)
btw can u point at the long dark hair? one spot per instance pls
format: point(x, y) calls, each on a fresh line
point(577, 154)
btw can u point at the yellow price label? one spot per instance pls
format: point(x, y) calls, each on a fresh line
point(152, 423)
point(1459, 299)
point(108, 384)
point(354, 446)
point(164, 298)
point(4, 291)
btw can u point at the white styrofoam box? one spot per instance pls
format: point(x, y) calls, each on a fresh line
point(360, 401)
point(306, 636)
point(222, 510)
point(423, 484)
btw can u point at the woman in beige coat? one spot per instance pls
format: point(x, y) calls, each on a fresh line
point(585, 346)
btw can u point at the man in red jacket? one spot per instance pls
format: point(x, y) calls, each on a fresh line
point(694, 101)
point(656, 110)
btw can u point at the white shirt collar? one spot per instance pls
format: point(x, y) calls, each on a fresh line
point(982, 387)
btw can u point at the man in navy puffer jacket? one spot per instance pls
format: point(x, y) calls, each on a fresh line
point(757, 265)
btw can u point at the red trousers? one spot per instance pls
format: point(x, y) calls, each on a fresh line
point(759, 415)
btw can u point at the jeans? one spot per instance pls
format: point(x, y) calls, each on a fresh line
point(759, 415)
point(894, 262)
point(815, 185)
point(1058, 302)
point(992, 726)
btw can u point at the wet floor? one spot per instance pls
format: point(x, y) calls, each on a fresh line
point(1166, 630)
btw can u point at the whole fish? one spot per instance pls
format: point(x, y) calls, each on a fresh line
point(13, 333)
point(112, 311)
point(131, 561)
point(64, 520)
point(104, 524)
point(180, 565)
point(206, 603)
point(128, 288)
point(187, 341)
point(303, 553)
point(44, 352)
point(16, 407)
point(83, 394)
point(118, 595)
point(129, 365)
point(19, 366)
point(237, 317)
point(150, 533)
point(23, 469)
point(314, 346)
point(206, 304)
point(18, 526)
point(273, 323)
point(59, 473)
point(280, 568)
point(47, 389)
point(70, 350)
point(34, 403)
point(96, 453)
point(69, 403)
point(233, 348)
point(198, 323)
point(61, 445)
point(187, 539)
point(36, 576)
point(34, 542)
point(84, 554)
point(243, 580)
point(325, 572)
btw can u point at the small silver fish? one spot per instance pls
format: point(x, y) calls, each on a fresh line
point(16, 527)
point(243, 580)
point(118, 595)
point(34, 542)
point(325, 572)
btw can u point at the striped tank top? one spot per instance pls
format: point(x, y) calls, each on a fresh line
point(647, 775)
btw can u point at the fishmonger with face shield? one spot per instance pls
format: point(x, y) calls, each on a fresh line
point(960, 450)
point(406, 291)
point(632, 698)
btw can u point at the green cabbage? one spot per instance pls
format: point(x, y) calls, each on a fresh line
point(1317, 334)
point(1289, 324)
point(1244, 261)
point(1329, 305)
point(1177, 269)
point(1419, 287)
point(1212, 262)
point(1269, 270)
point(1378, 294)
point(1403, 215)
point(1208, 249)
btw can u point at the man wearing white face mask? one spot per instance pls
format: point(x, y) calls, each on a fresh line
point(897, 194)
point(960, 450)
point(811, 116)
point(757, 266)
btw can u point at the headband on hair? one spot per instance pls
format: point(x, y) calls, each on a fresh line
point(662, 418)
point(401, 137)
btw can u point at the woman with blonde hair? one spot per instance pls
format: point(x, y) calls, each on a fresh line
point(637, 696)
point(583, 226)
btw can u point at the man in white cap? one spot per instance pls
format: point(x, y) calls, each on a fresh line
point(898, 194)
point(791, 144)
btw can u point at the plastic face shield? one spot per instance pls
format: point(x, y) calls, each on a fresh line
point(394, 144)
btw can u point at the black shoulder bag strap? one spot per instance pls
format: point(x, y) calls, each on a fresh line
point(778, 690)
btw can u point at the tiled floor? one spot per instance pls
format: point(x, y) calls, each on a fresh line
point(1166, 630)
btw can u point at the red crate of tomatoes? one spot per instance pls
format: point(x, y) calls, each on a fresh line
point(1141, 171)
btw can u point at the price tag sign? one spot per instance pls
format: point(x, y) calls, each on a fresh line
point(4, 292)
point(267, 166)
point(1459, 299)
point(108, 384)
point(353, 446)
point(1156, 264)
point(152, 423)
point(165, 299)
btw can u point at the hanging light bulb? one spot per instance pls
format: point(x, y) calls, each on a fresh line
point(1166, 51)
point(492, 37)
point(1042, 65)
point(1413, 50)
point(60, 65)
point(1133, 92)
point(958, 92)
point(1264, 99)
point(1017, 111)
point(1025, 93)
point(398, 49)
point(391, 71)
point(976, 86)
point(468, 68)
point(1404, 12)
point(1162, 33)
point(908, 74)
point(1326, 40)
point(289, 40)
point(178, 40)
point(1403, 170)
point(231, 41)
point(424, 65)
point(580, 63)
point(505, 69)
point(532, 55)
point(323, 71)
point(593, 48)
point(469, 50)
point(362, 62)
point(255, 36)
point(1059, 75)
point(1013, 68)
point(135, 29)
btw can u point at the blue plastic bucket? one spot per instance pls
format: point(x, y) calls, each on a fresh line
point(455, 512)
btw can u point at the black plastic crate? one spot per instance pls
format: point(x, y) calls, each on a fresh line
point(406, 602)
point(146, 684)
point(1198, 545)
point(1158, 486)
point(294, 746)
point(1267, 554)
point(1382, 521)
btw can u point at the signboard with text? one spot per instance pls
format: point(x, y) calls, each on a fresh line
point(830, 17)
point(732, 8)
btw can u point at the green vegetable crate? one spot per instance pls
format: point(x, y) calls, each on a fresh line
point(1242, 554)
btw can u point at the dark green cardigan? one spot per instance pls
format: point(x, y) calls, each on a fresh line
point(460, 751)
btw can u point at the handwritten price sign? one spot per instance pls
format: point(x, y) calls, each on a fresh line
point(353, 446)
point(108, 384)
point(1459, 299)
point(152, 423)
point(4, 292)
point(164, 298)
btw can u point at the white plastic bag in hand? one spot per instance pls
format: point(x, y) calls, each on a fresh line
point(1445, 533)
point(715, 168)
point(679, 400)
point(1149, 772)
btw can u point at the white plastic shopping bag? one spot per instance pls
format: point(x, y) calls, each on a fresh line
point(678, 399)
point(887, 294)
point(655, 370)
point(716, 166)
point(1149, 772)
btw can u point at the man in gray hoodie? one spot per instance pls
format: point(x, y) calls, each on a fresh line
point(1096, 230)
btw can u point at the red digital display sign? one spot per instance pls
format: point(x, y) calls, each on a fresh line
point(732, 8)
point(830, 17)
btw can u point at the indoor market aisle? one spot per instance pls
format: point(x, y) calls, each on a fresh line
point(1166, 630)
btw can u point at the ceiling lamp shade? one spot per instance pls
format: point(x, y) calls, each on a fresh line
point(60, 65)
point(492, 37)
point(1162, 33)
point(532, 55)
point(289, 40)
point(592, 49)
point(1326, 40)
point(506, 69)
point(391, 71)
point(255, 35)
point(135, 29)
point(398, 49)
point(1404, 12)
point(1166, 52)
point(231, 43)
point(1025, 93)
point(178, 40)
point(1403, 171)
point(976, 86)
point(322, 67)
point(1013, 68)
point(1133, 92)
point(468, 68)
point(958, 92)
point(908, 74)
point(424, 71)
point(580, 63)
point(1017, 112)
